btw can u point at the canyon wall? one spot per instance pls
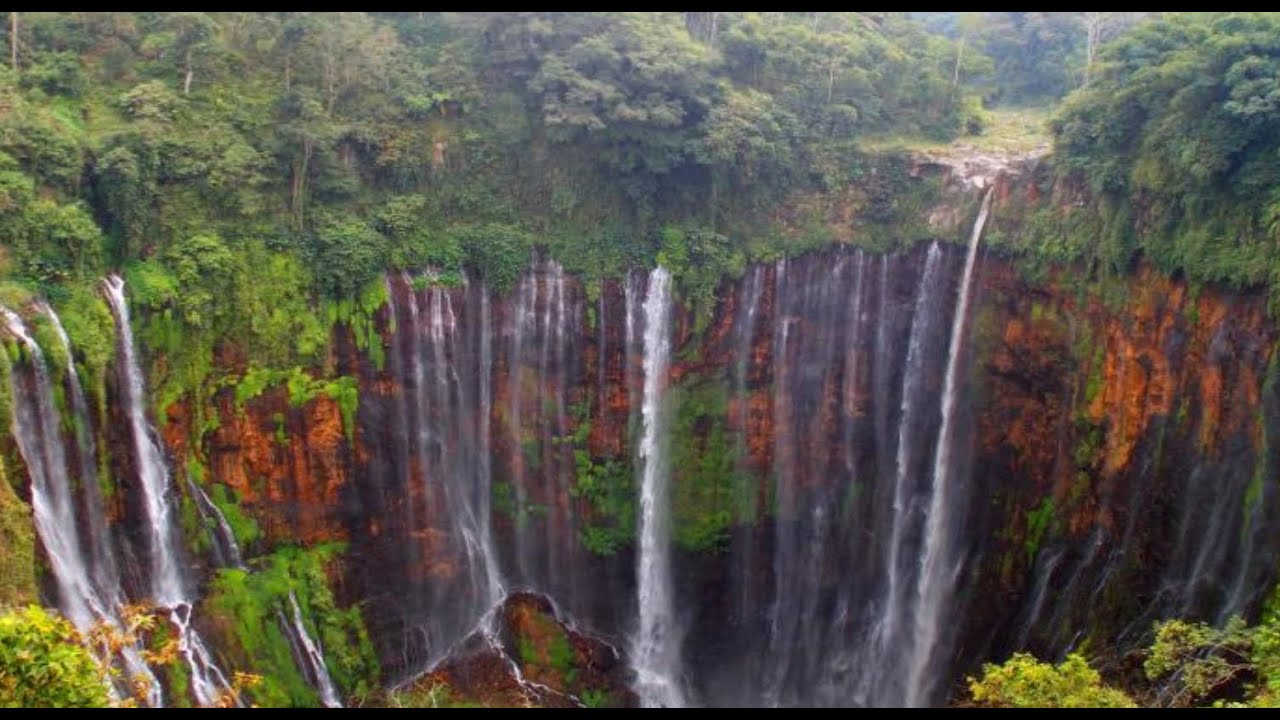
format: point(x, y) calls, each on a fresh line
point(1113, 471)
point(1107, 463)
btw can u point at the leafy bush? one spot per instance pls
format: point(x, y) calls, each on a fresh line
point(43, 663)
point(1024, 682)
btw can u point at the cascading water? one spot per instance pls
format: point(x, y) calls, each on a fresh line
point(445, 369)
point(89, 593)
point(307, 653)
point(656, 646)
point(940, 563)
point(540, 362)
point(226, 549)
point(166, 578)
point(35, 426)
point(168, 589)
point(102, 558)
point(843, 470)
point(891, 638)
point(312, 659)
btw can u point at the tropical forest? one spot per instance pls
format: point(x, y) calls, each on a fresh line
point(621, 359)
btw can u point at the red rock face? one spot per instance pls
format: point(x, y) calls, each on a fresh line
point(1058, 360)
point(1134, 413)
point(287, 465)
point(1097, 402)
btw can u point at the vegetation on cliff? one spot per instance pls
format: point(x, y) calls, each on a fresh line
point(1188, 664)
point(253, 175)
point(43, 663)
point(1175, 140)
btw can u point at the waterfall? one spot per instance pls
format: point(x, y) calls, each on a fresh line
point(888, 629)
point(537, 465)
point(105, 571)
point(525, 301)
point(312, 657)
point(482, 490)
point(444, 371)
point(226, 549)
point(656, 647)
point(308, 655)
point(939, 566)
point(166, 579)
point(743, 550)
point(35, 426)
point(168, 589)
point(88, 594)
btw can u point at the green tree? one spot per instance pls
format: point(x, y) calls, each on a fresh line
point(43, 663)
point(1024, 682)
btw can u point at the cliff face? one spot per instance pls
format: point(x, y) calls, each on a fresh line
point(1130, 431)
point(1109, 466)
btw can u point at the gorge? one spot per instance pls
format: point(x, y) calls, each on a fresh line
point(627, 359)
point(857, 446)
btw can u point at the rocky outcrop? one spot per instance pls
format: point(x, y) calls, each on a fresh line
point(528, 658)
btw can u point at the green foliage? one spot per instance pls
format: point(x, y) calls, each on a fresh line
point(358, 313)
point(500, 252)
point(606, 484)
point(43, 663)
point(1024, 682)
point(698, 260)
point(1175, 137)
point(1192, 661)
point(1237, 665)
point(243, 527)
point(1039, 522)
point(92, 332)
point(302, 389)
point(17, 537)
point(252, 601)
point(706, 476)
point(593, 698)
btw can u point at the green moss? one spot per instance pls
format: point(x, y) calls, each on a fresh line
point(6, 390)
point(302, 389)
point(547, 649)
point(243, 527)
point(345, 391)
point(359, 314)
point(606, 484)
point(1040, 522)
point(706, 475)
point(179, 676)
point(593, 698)
point(17, 545)
point(282, 432)
point(1263, 466)
point(251, 600)
point(1096, 379)
point(194, 529)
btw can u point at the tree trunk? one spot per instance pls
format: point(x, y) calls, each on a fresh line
point(13, 41)
point(186, 83)
point(299, 184)
point(955, 76)
point(330, 84)
point(1093, 22)
point(288, 72)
